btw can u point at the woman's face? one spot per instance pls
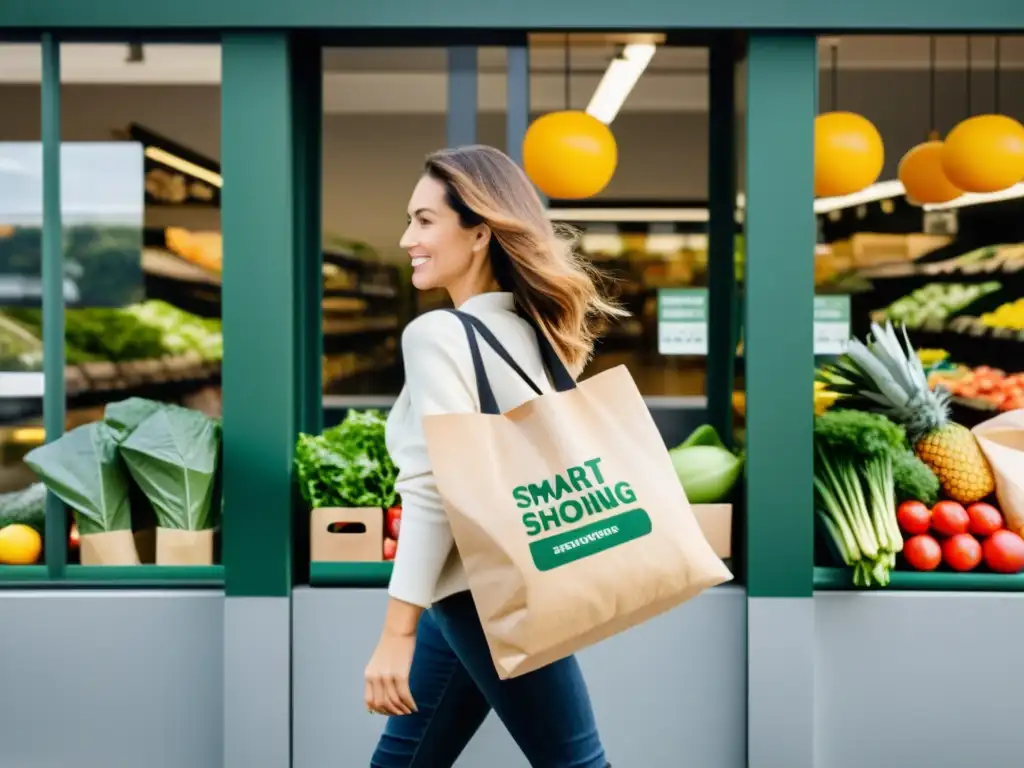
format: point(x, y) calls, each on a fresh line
point(444, 254)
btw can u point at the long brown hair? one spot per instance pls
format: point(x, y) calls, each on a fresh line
point(531, 258)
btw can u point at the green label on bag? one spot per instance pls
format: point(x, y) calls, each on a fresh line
point(583, 542)
point(571, 500)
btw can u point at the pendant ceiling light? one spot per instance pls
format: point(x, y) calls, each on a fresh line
point(920, 170)
point(984, 153)
point(569, 155)
point(848, 149)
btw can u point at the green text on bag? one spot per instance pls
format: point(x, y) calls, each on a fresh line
point(569, 499)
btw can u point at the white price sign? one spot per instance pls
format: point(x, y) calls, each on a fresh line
point(683, 321)
point(831, 324)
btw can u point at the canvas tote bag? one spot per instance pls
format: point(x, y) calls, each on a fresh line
point(570, 521)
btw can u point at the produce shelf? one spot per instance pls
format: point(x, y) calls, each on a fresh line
point(17, 575)
point(114, 577)
point(322, 574)
point(841, 579)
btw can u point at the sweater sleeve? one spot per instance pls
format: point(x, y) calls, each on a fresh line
point(439, 380)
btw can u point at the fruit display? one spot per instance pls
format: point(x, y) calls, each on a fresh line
point(992, 386)
point(885, 376)
point(898, 484)
point(1009, 315)
point(936, 302)
point(961, 538)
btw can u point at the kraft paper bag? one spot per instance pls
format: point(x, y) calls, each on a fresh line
point(110, 548)
point(569, 518)
point(1002, 441)
point(359, 538)
point(178, 547)
point(145, 545)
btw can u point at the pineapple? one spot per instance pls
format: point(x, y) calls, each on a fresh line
point(886, 376)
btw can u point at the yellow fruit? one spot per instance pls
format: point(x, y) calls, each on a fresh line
point(931, 356)
point(953, 454)
point(19, 545)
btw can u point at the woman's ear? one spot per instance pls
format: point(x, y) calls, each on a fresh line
point(482, 239)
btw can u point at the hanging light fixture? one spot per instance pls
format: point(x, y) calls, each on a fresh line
point(920, 170)
point(848, 149)
point(984, 153)
point(569, 155)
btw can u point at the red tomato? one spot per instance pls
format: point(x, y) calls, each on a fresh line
point(961, 552)
point(922, 552)
point(394, 521)
point(74, 540)
point(913, 517)
point(1004, 552)
point(390, 548)
point(949, 518)
point(984, 519)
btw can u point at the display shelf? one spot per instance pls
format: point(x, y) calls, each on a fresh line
point(841, 579)
point(19, 575)
point(1005, 350)
point(322, 574)
point(114, 577)
point(94, 384)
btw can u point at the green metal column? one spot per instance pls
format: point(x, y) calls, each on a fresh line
point(270, 222)
point(722, 309)
point(779, 351)
point(55, 540)
point(307, 127)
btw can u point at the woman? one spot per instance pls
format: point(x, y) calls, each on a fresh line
point(477, 229)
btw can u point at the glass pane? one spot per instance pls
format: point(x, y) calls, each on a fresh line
point(384, 110)
point(21, 354)
point(140, 191)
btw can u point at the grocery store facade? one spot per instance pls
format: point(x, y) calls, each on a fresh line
point(257, 662)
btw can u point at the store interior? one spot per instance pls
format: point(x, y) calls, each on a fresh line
point(150, 327)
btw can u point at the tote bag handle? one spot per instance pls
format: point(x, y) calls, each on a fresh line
point(561, 379)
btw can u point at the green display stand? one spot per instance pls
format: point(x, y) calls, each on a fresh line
point(841, 579)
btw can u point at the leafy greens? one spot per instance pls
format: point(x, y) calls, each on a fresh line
point(84, 469)
point(348, 465)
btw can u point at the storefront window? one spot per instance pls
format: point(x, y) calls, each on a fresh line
point(140, 191)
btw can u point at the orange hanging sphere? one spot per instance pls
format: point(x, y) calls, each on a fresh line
point(922, 176)
point(569, 155)
point(985, 153)
point(848, 154)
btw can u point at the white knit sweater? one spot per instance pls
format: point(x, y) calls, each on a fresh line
point(439, 379)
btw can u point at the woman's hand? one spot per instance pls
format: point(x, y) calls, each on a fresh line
point(387, 674)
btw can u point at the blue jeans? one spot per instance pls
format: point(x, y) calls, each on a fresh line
point(454, 684)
